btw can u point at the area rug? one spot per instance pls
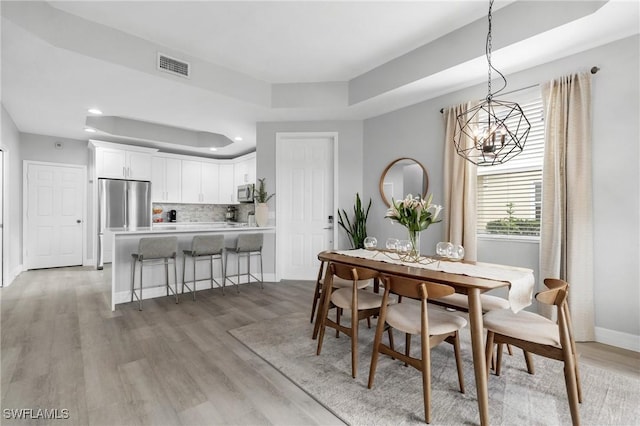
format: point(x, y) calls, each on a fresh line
point(515, 397)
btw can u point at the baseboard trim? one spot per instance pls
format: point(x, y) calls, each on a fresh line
point(11, 276)
point(618, 339)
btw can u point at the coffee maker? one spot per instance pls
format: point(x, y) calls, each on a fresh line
point(230, 215)
point(173, 215)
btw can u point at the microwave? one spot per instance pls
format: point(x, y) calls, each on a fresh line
point(245, 193)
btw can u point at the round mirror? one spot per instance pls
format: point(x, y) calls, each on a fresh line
point(402, 177)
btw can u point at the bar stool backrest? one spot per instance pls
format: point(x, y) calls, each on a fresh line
point(207, 245)
point(249, 242)
point(157, 247)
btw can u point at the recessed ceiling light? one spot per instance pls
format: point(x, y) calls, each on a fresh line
point(213, 149)
point(95, 111)
point(237, 138)
point(89, 129)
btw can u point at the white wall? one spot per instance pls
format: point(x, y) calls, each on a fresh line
point(350, 163)
point(42, 148)
point(415, 132)
point(418, 131)
point(10, 144)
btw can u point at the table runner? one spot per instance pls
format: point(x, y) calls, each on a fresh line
point(520, 280)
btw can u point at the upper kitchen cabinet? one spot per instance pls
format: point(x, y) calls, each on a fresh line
point(227, 184)
point(245, 169)
point(166, 179)
point(200, 182)
point(116, 161)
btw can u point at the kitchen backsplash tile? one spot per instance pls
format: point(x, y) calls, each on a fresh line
point(204, 212)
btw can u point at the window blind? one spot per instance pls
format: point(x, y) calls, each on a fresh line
point(509, 195)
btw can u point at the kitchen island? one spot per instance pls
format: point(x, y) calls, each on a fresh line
point(125, 242)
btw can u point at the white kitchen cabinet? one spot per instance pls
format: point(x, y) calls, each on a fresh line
point(226, 184)
point(116, 161)
point(209, 183)
point(166, 179)
point(199, 182)
point(245, 170)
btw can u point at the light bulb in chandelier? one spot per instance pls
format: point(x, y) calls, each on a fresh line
point(489, 139)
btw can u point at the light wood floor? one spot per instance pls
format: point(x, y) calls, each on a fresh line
point(62, 347)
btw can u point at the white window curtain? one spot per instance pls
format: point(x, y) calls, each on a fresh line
point(566, 239)
point(459, 218)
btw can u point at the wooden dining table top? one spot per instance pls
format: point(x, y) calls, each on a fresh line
point(460, 282)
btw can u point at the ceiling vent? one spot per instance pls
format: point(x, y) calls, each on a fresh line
point(173, 66)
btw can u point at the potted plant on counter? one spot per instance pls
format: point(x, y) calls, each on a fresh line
point(261, 198)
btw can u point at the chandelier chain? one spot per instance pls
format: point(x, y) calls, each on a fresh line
point(488, 51)
point(494, 131)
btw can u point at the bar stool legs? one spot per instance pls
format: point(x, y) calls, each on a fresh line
point(152, 250)
point(204, 246)
point(248, 245)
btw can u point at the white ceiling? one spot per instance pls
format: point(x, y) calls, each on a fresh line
point(60, 58)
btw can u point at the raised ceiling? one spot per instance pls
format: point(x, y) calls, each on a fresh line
point(270, 61)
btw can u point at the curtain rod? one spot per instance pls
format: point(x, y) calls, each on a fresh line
point(593, 71)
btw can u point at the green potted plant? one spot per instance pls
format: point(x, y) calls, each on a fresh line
point(262, 209)
point(356, 229)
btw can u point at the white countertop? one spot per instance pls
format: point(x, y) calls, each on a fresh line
point(187, 227)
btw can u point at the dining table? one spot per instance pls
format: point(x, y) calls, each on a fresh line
point(466, 277)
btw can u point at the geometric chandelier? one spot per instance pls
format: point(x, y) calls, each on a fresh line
point(494, 131)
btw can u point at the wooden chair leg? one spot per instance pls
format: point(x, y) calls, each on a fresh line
point(499, 358)
point(426, 374)
point(316, 297)
point(376, 352)
point(407, 346)
point(316, 326)
point(317, 292)
point(324, 311)
point(368, 322)
point(509, 350)
point(489, 350)
point(354, 342)
point(572, 389)
point(456, 350)
point(529, 361)
point(338, 314)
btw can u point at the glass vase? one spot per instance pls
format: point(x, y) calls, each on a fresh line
point(414, 240)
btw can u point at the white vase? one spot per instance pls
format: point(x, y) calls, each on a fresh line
point(262, 214)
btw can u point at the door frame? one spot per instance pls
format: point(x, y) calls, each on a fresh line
point(3, 222)
point(280, 136)
point(25, 205)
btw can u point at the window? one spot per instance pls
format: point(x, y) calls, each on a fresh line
point(510, 194)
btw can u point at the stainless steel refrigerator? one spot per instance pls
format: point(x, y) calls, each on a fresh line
point(121, 204)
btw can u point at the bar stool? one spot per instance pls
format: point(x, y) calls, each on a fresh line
point(151, 250)
point(248, 245)
point(210, 246)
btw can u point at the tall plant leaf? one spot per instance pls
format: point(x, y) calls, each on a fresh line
point(356, 230)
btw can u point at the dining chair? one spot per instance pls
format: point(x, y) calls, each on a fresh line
point(361, 303)
point(539, 335)
point(433, 325)
point(489, 303)
point(317, 295)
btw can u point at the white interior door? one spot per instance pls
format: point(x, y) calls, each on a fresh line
point(55, 200)
point(304, 182)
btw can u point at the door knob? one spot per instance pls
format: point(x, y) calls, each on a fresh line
point(78, 220)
